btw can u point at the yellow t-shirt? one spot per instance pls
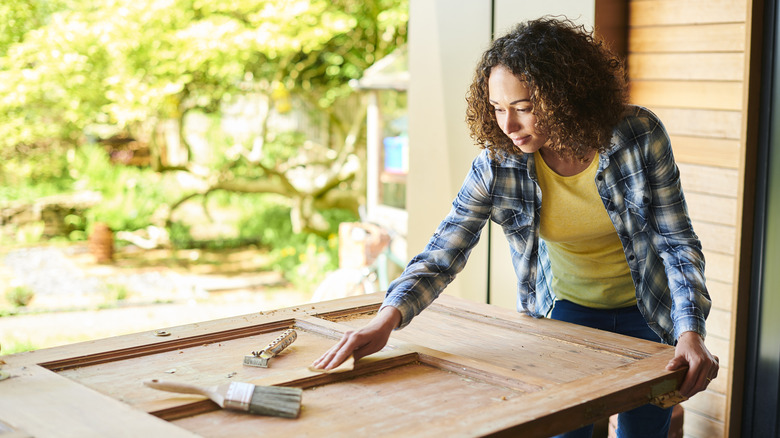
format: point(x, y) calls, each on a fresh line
point(588, 263)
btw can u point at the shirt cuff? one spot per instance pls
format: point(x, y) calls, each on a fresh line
point(690, 324)
point(406, 310)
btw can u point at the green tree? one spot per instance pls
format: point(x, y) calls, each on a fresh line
point(139, 68)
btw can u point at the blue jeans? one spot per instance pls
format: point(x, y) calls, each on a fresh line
point(645, 421)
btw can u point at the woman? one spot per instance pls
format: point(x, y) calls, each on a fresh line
point(587, 192)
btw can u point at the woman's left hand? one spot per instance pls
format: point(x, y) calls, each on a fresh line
point(702, 365)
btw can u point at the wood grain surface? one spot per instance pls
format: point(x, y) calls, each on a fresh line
point(459, 369)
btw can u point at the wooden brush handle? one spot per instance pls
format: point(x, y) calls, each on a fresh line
point(184, 388)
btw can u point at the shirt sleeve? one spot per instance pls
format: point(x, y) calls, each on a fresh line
point(446, 253)
point(674, 238)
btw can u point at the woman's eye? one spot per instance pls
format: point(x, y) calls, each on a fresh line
point(498, 110)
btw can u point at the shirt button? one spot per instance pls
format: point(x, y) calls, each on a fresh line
point(600, 178)
point(631, 257)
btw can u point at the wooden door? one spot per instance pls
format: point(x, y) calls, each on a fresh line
point(459, 369)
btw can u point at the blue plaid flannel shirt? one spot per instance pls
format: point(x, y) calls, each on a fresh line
point(639, 184)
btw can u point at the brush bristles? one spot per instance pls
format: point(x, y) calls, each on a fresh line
point(276, 401)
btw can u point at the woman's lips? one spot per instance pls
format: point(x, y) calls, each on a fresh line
point(520, 141)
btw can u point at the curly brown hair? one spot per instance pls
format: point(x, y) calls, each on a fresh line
point(577, 86)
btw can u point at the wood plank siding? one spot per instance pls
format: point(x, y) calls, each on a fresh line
point(686, 62)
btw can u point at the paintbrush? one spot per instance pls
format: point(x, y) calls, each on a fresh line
point(260, 358)
point(275, 401)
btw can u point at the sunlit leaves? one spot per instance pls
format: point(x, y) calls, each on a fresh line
point(66, 65)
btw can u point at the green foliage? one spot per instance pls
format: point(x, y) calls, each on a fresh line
point(19, 296)
point(304, 258)
point(117, 292)
point(40, 174)
point(18, 17)
point(131, 195)
point(180, 235)
point(267, 219)
point(75, 70)
point(50, 86)
point(114, 293)
point(12, 346)
point(307, 258)
point(126, 62)
point(282, 147)
point(306, 262)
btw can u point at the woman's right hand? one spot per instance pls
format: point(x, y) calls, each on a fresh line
point(368, 340)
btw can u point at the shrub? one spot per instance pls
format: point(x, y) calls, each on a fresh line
point(305, 259)
point(20, 296)
point(131, 195)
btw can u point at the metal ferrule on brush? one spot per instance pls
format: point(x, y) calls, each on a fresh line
point(239, 395)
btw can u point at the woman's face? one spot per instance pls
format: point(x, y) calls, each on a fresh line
point(510, 98)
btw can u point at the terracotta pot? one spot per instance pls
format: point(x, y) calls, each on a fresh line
point(101, 243)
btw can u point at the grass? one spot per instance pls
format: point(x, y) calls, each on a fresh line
point(13, 345)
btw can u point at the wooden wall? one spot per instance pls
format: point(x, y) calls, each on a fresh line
point(686, 62)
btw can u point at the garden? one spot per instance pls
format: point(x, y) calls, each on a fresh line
point(219, 144)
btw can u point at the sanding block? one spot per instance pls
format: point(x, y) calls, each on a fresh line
point(260, 358)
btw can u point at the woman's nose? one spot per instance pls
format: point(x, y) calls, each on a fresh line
point(511, 124)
